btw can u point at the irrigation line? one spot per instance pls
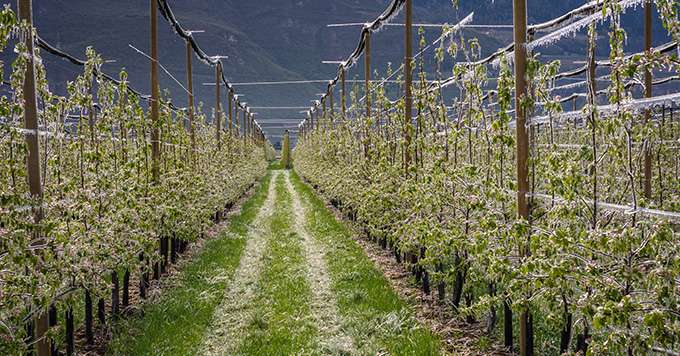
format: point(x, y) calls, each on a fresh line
point(278, 107)
point(554, 24)
point(636, 105)
point(419, 25)
point(566, 20)
point(626, 209)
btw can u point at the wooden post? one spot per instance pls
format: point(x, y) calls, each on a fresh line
point(330, 98)
point(25, 13)
point(592, 100)
point(235, 120)
point(316, 117)
point(245, 118)
point(218, 104)
point(520, 36)
point(367, 89)
point(190, 88)
point(155, 108)
point(343, 74)
point(648, 94)
point(408, 82)
point(325, 113)
point(236, 106)
point(249, 128)
point(310, 121)
point(367, 74)
point(231, 112)
point(155, 94)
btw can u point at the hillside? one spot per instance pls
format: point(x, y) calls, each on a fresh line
point(264, 39)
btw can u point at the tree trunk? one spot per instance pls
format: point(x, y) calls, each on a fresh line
point(115, 294)
point(70, 338)
point(101, 311)
point(507, 324)
point(126, 289)
point(89, 334)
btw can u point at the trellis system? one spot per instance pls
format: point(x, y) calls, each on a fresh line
point(510, 196)
point(104, 193)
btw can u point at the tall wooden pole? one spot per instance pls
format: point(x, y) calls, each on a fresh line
point(592, 100)
point(367, 89)
point(25, 12)
point(316, 117)
point(310, 123)
point(408, 83)
point(155, 116)
point(190, 88)
point(218, 104)
point(343, 74)
point(155, 94)
point(245, 129)
point(325, 113)
point(231, 112)
point(367, 74)
point(235, 120)
point(520, 36)
point(648, 94)
point(330, 97)
point(250, 126)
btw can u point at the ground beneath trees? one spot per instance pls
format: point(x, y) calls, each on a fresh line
point(284, 277)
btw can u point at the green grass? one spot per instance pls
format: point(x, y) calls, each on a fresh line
point(276, 165)
point(371, 313)
point(282, 324)
point(177, 323)
point(377, 318)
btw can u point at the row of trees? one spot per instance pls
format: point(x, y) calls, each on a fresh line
point(111, 210)
point(593, 266)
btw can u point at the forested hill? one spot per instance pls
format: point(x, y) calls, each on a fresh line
point(266, 39)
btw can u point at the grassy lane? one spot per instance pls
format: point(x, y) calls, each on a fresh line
point(332, 337)
point(283, 324)
point(229, 320)
point(176, 324)
point(376, 318)
point(286, 278)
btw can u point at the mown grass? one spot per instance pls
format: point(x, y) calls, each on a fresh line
point(177, 323)
point(276, 165)
point(378, 320)
point(282, 324)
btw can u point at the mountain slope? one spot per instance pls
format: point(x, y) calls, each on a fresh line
point(267, 39)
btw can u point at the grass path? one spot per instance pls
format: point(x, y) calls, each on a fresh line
point(284, 324)
point(236, 308)
point(332, 337)
point(378, 321)
point(286, 278)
